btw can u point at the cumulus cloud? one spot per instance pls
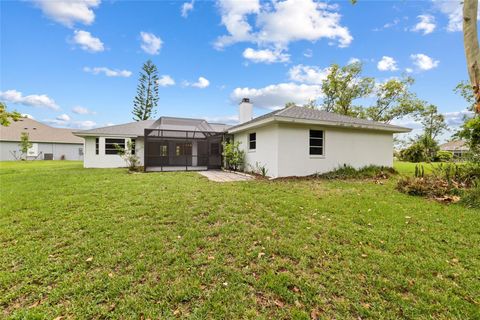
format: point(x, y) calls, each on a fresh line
point(265, 56)
point(165, 81)
point(87, 42)
point(201, 83)
point(353, 60)
point(456, 118)
point(222, 119)
point(87, 124)
point(82, 110)
point(187, 7)
point(69, 12)
point(63, 117)
point(424, 62)
point(308, 53)
point(151, 44)
point(34, 100)
point(27, 115)
point(387, 64)
point(280, 22)
point(276, 95)
point(108, 72)
point(308, 74)
point(426, 24)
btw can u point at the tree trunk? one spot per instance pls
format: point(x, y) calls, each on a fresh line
point(472, 51)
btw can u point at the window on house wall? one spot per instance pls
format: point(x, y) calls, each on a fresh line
point(252, 141)
point(183, 149)
point(316, 142)
point(133, 146)
point(97, 145)
point(110, 145)
point(163, 150)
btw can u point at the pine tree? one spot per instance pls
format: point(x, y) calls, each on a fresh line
point(146, 100)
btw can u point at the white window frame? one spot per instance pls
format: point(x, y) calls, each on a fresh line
point(317, 156)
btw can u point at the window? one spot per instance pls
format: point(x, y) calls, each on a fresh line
point(316, 142)
point(133, 146)
point(110, 145)
point(252, 141)
point(163, 150)
point(215, 149)
point(183, 149)
point(97, 145)
point(80, 151)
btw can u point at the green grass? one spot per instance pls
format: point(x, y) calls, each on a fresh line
point(101, 243)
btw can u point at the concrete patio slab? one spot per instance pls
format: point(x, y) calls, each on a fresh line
point(224, 176)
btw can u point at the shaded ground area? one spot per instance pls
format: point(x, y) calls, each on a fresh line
point(101, 243)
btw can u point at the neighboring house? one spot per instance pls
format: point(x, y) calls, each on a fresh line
point(294, 141)
point(48, 143)
point(459, 148)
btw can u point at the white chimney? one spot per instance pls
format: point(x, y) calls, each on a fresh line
point(246, 110)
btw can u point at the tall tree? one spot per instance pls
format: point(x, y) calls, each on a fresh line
point(394, 100)
point(6, 117)
point(146, 99)
point(472, 50)
point(470, 129)
point(433, 124)
point(342, 86)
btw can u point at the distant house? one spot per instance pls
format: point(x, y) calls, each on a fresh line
point(294, 141)
point(48, 143)
point(459, 148)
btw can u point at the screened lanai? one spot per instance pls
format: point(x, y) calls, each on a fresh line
point(169, 148)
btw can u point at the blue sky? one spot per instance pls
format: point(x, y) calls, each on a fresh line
point(76, 63)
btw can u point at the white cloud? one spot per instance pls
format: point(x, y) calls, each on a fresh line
point(69, 12)
point(353, 60)
point(388, 25)
point(87, 42)
point(34, 100)
point(187, 7)
point(455, 119)
point(265, 56)
point(280, 22)
point(408, 70)
point(87, 124)
point(108, 72)
point(426, 24)
point(424, 62)
point(151, 44)
point(453, 10)
point(201, 83)
point(222, 119)
point(63, 117)
point(276, 95)
point(308, 53)
point(27, 115)
point(82, 110)
point(165, 80)
point(308, 74)
point(387, 64)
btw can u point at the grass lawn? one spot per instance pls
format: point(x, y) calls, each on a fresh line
point(99, 243)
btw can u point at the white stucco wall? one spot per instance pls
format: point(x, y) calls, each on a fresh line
point(266, 152)
point(69, 151)
point(284, 149)
point(102, 160)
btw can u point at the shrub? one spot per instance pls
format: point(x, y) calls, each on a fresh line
point(129, 156)
point(234, 157)
point(414, 153)
point(444, 156)
point(259, 169)
point(471, 197)
point(368, 172)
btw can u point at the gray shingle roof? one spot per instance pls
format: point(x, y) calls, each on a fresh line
point(136, 129)
point(458, 145)
point(303, 113)
point(37, 132)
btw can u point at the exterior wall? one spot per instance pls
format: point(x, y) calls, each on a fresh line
point(266, 152)
point(284, 149)
point(69, 151)
point(102, 160)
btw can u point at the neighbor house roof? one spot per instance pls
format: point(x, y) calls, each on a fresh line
point(298, 114)
point(137, 128)
point(37, 132)
point(458, 145)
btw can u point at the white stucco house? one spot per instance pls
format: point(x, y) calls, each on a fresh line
point(293, 141)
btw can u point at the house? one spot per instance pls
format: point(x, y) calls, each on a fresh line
point(458, 148)
point(48, 143)
point(294, 141)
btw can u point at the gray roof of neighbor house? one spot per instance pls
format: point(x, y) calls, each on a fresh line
point(37, 132)
point(458, 145)
point(137, 128)
point(306, 115)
